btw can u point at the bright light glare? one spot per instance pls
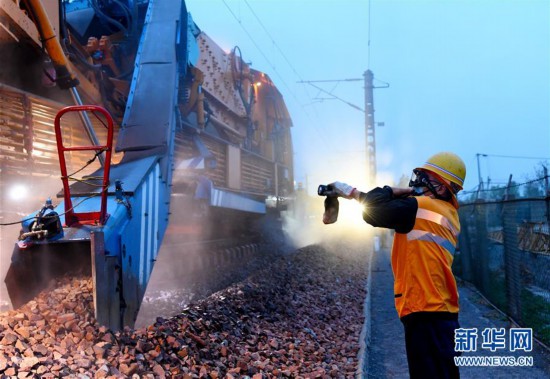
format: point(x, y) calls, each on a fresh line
point(350, 215)
point(18, 192)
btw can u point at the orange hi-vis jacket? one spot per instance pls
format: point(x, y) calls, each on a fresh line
point(422, 259)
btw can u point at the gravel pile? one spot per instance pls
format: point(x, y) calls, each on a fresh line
point(300, 317)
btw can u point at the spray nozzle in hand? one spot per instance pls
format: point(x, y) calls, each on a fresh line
point(325, 190)
point(336, 189)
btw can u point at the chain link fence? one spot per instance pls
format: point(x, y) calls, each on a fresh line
point(504, 250)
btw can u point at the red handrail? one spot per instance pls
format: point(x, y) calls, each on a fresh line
point(71, 217)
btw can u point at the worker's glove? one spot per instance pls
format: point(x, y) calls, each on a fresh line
point(342, 189)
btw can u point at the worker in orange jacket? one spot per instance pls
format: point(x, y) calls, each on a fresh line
point(425, 219)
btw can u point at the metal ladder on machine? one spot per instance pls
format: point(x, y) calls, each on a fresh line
point(73, 218)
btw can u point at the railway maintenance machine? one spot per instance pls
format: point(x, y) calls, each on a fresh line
point(125, 122)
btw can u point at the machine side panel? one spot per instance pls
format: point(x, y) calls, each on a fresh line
point(146, 125)
point(140, 240)
point(148, 117)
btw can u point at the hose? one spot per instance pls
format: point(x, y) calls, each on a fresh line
point(108, 19)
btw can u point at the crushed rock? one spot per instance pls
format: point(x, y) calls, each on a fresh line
point(299, 317)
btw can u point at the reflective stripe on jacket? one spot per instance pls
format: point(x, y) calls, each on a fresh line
point(422, 259)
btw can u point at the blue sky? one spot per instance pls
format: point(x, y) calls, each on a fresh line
point(465, 76)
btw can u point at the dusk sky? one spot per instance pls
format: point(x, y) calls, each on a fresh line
point(472, 77)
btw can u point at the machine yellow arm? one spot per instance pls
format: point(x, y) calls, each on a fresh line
point(65, 78)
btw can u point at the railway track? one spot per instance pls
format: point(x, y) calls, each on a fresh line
point(294, 315)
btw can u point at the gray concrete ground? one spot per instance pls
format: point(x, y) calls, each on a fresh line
point(386, 351)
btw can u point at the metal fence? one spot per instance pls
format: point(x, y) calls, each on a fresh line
point(504, 250)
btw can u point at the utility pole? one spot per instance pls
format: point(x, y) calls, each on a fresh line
point(370, 141)
point(369, 127)
point(546, 194)
point(480, 186)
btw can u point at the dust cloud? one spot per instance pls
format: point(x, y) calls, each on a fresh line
point(303, 223)
point(185, 261)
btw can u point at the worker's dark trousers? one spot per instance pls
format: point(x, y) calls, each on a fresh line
point(429, 339)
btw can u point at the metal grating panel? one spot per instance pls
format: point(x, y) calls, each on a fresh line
point(217, 174)
point(257, 174)
point(27, 137)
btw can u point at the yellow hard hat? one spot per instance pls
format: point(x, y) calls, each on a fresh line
point(448, 166)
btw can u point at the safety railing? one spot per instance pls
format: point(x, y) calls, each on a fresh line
point(72, 217)
point(504, 250)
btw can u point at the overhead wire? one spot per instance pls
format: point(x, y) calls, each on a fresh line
point(336, 97)
point(488, 166)
point(321, 136)
point(516, 157)
point(273, 40)
point(278, 47)
point(462, 193)
point(259, 48)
